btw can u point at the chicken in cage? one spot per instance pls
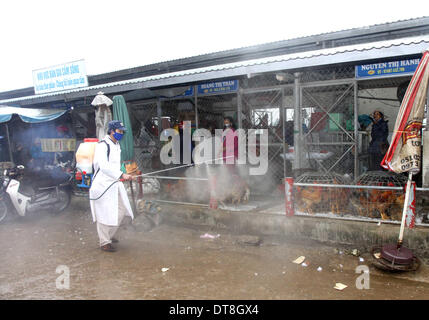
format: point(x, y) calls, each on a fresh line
point(379, 203)
point(320, 199)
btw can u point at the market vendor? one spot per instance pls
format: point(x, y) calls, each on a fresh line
point(38, 157)
point(20, 155)
point(379, 144)
point(230, 141)
point(63, 133)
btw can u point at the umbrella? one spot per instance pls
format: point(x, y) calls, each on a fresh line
point(101, 99)
point(103, 115)
point(404, 152)
point(120, 112)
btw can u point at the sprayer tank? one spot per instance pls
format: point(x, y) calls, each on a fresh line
point(85, 155)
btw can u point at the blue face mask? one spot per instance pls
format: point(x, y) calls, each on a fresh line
point(118, 136)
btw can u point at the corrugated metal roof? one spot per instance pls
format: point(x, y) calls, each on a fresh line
point(345, 54)
point(320, 37)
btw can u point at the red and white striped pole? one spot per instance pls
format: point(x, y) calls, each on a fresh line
point(289, 196)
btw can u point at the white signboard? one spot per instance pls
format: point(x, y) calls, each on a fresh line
point(61, 77)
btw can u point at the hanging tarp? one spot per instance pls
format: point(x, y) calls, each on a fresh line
point(30, 115)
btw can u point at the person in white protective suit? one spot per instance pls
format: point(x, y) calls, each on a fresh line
point(108, 197)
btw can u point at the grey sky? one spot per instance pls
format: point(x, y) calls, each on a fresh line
point(113, 35)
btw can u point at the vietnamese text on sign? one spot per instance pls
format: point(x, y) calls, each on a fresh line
point(218, 87)
point(61, 77)
point(383, 69)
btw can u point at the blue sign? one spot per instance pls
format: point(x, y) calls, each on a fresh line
point(61, 77)
point(188, 93)
point(384, 69)
point(218, 87)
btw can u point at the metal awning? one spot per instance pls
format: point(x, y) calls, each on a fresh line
point(346, 54)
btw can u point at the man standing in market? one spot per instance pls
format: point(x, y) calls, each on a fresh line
point(108, 197)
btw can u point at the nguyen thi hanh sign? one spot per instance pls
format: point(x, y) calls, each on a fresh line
point(60, 77)
point(386, 69)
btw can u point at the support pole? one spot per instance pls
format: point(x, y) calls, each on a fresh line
point(159, 114)
point(197, 119)
point(283, 122)
point(8, 143)
point(289, 197)
point(404, 211)
point(297, 137)
point(356, 132)
point(239, 109)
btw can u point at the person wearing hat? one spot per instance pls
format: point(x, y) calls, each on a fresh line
point(109, 200)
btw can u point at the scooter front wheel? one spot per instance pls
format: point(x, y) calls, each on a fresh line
point(63, 201)
point(3, 210)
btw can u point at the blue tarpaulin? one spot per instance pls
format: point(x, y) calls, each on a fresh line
point(30, 115)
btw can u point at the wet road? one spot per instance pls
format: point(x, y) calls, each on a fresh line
point(222, 268)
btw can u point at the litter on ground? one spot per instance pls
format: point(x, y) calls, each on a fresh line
point(354, 252)
point(340, 286)
point(209, 236)
point(299, 260)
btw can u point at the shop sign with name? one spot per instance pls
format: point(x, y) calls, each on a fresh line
point(217, 87)
point(60, 77)
point(386, 69)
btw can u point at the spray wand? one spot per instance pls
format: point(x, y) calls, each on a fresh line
point(147, 174)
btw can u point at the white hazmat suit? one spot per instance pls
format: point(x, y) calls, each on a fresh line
point(113, 205)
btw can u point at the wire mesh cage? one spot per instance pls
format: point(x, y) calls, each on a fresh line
point(378, 203)
point(320, 199)
point(328, 73)
point(328, 127)
point(382, 178)
point(263, 113)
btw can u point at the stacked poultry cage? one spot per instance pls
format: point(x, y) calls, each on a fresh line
point(379, 203)
point(321, 199)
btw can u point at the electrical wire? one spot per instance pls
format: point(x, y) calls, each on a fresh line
point(387, 104)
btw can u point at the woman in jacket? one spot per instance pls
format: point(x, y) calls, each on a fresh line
point(230, 141)
point(378, 145)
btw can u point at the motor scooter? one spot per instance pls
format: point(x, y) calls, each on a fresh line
point(29, 191)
